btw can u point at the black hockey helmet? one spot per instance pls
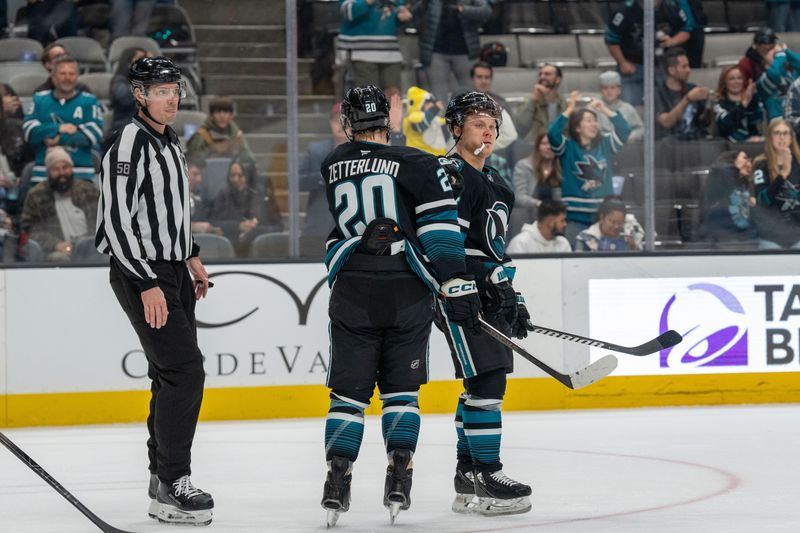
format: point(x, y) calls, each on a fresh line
point(153, 71)
point(469, 103)
point(365, 108)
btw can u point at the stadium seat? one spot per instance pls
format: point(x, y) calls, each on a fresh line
point(99, 83)
point(214, 246)
point(32, 252)
point(215, 176)
point(717, 16)
point(172, 28)
point(86, 252)
point(695, 155)
point(192, 100)
point(746, 15)
point(326, 16)
point(594, 53)
point(10, 69)
point(192, 119)
point(705, 77)
point(510, 42)
point(88, 52)
point(174, 32)
point(24, 84)
point(509, 81)
point(270, 245)
point(751, 149)
point(120, 44)
point(725, 48)
point(409, 48)
point(20, 49)
point(580, 16)
point(586, 80)
point(561, 50)
point(529, 17)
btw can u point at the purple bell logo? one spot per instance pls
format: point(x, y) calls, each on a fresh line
point(713, 324)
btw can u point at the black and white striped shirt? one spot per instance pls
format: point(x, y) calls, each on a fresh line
point(144, 214)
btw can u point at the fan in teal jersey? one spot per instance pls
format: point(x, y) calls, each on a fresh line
point(65, 117)
point(585, 155)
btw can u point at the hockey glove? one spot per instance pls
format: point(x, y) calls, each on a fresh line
point(499, 296)
point(522, 324)
point(461, 302)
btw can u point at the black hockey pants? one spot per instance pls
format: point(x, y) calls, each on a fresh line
point(175, 366)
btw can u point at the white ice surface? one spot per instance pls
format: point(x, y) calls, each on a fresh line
point(720, 469)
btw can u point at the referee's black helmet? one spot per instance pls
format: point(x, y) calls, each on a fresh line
point(154, 71)
point(365, 108)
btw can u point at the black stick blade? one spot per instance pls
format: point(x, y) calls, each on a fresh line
point(669, 339)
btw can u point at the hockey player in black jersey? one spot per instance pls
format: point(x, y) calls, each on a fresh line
point(396, 243)
point(484, 206)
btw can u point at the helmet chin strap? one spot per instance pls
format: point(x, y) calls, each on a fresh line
point(151, 117)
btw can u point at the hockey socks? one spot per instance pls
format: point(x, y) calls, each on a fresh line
point(344, 427)
point(483, 427)
point(462, 446)
point(400, 420)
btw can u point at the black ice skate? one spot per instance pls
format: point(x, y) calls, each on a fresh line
point(464, 482)
point(498, 494)
point(183, 503)
point(152, 492)
point(397, 490)
point(336, 493)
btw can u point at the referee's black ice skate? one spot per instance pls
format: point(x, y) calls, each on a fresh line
point(397, 490)
point(152, 492)
point(464, 482)
point(498, 494)
point(183, 503)
point(336, 493)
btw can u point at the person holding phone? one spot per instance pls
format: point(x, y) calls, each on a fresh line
point(585, 154)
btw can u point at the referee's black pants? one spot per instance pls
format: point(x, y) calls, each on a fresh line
point(175, 366)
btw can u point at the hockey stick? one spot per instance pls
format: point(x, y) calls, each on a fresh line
point(580, 378)
point(667, 339)
point(33, 465)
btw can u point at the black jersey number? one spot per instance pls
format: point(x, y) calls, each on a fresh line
point(356, 205)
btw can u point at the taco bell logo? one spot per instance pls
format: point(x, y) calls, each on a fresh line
point(713, 324)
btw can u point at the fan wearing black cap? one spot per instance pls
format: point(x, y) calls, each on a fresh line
point(759, 56)
point(143, 223)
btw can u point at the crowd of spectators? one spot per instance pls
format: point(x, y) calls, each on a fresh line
point(561, 147)
point(556, 147)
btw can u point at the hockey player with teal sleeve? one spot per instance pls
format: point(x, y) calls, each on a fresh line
point(484, 206)
point(396, 244)
point(585, 153)
point(65, 117)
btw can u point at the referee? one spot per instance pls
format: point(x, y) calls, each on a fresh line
point(143, 224)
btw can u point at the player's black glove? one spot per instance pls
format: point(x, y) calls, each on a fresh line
point(522, 325)
point(461, 302)
point(499, 298)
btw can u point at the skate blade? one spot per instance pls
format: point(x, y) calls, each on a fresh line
point(172, 515)
point(153, 510)
point(495, 507)
point(333, 517)
point(394, 510)
point(464, 503)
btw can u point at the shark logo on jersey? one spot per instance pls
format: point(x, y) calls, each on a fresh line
point(592, 171)
point(496, 227)
point(788, 197)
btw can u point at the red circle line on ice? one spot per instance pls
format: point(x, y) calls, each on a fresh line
point(731, 483)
